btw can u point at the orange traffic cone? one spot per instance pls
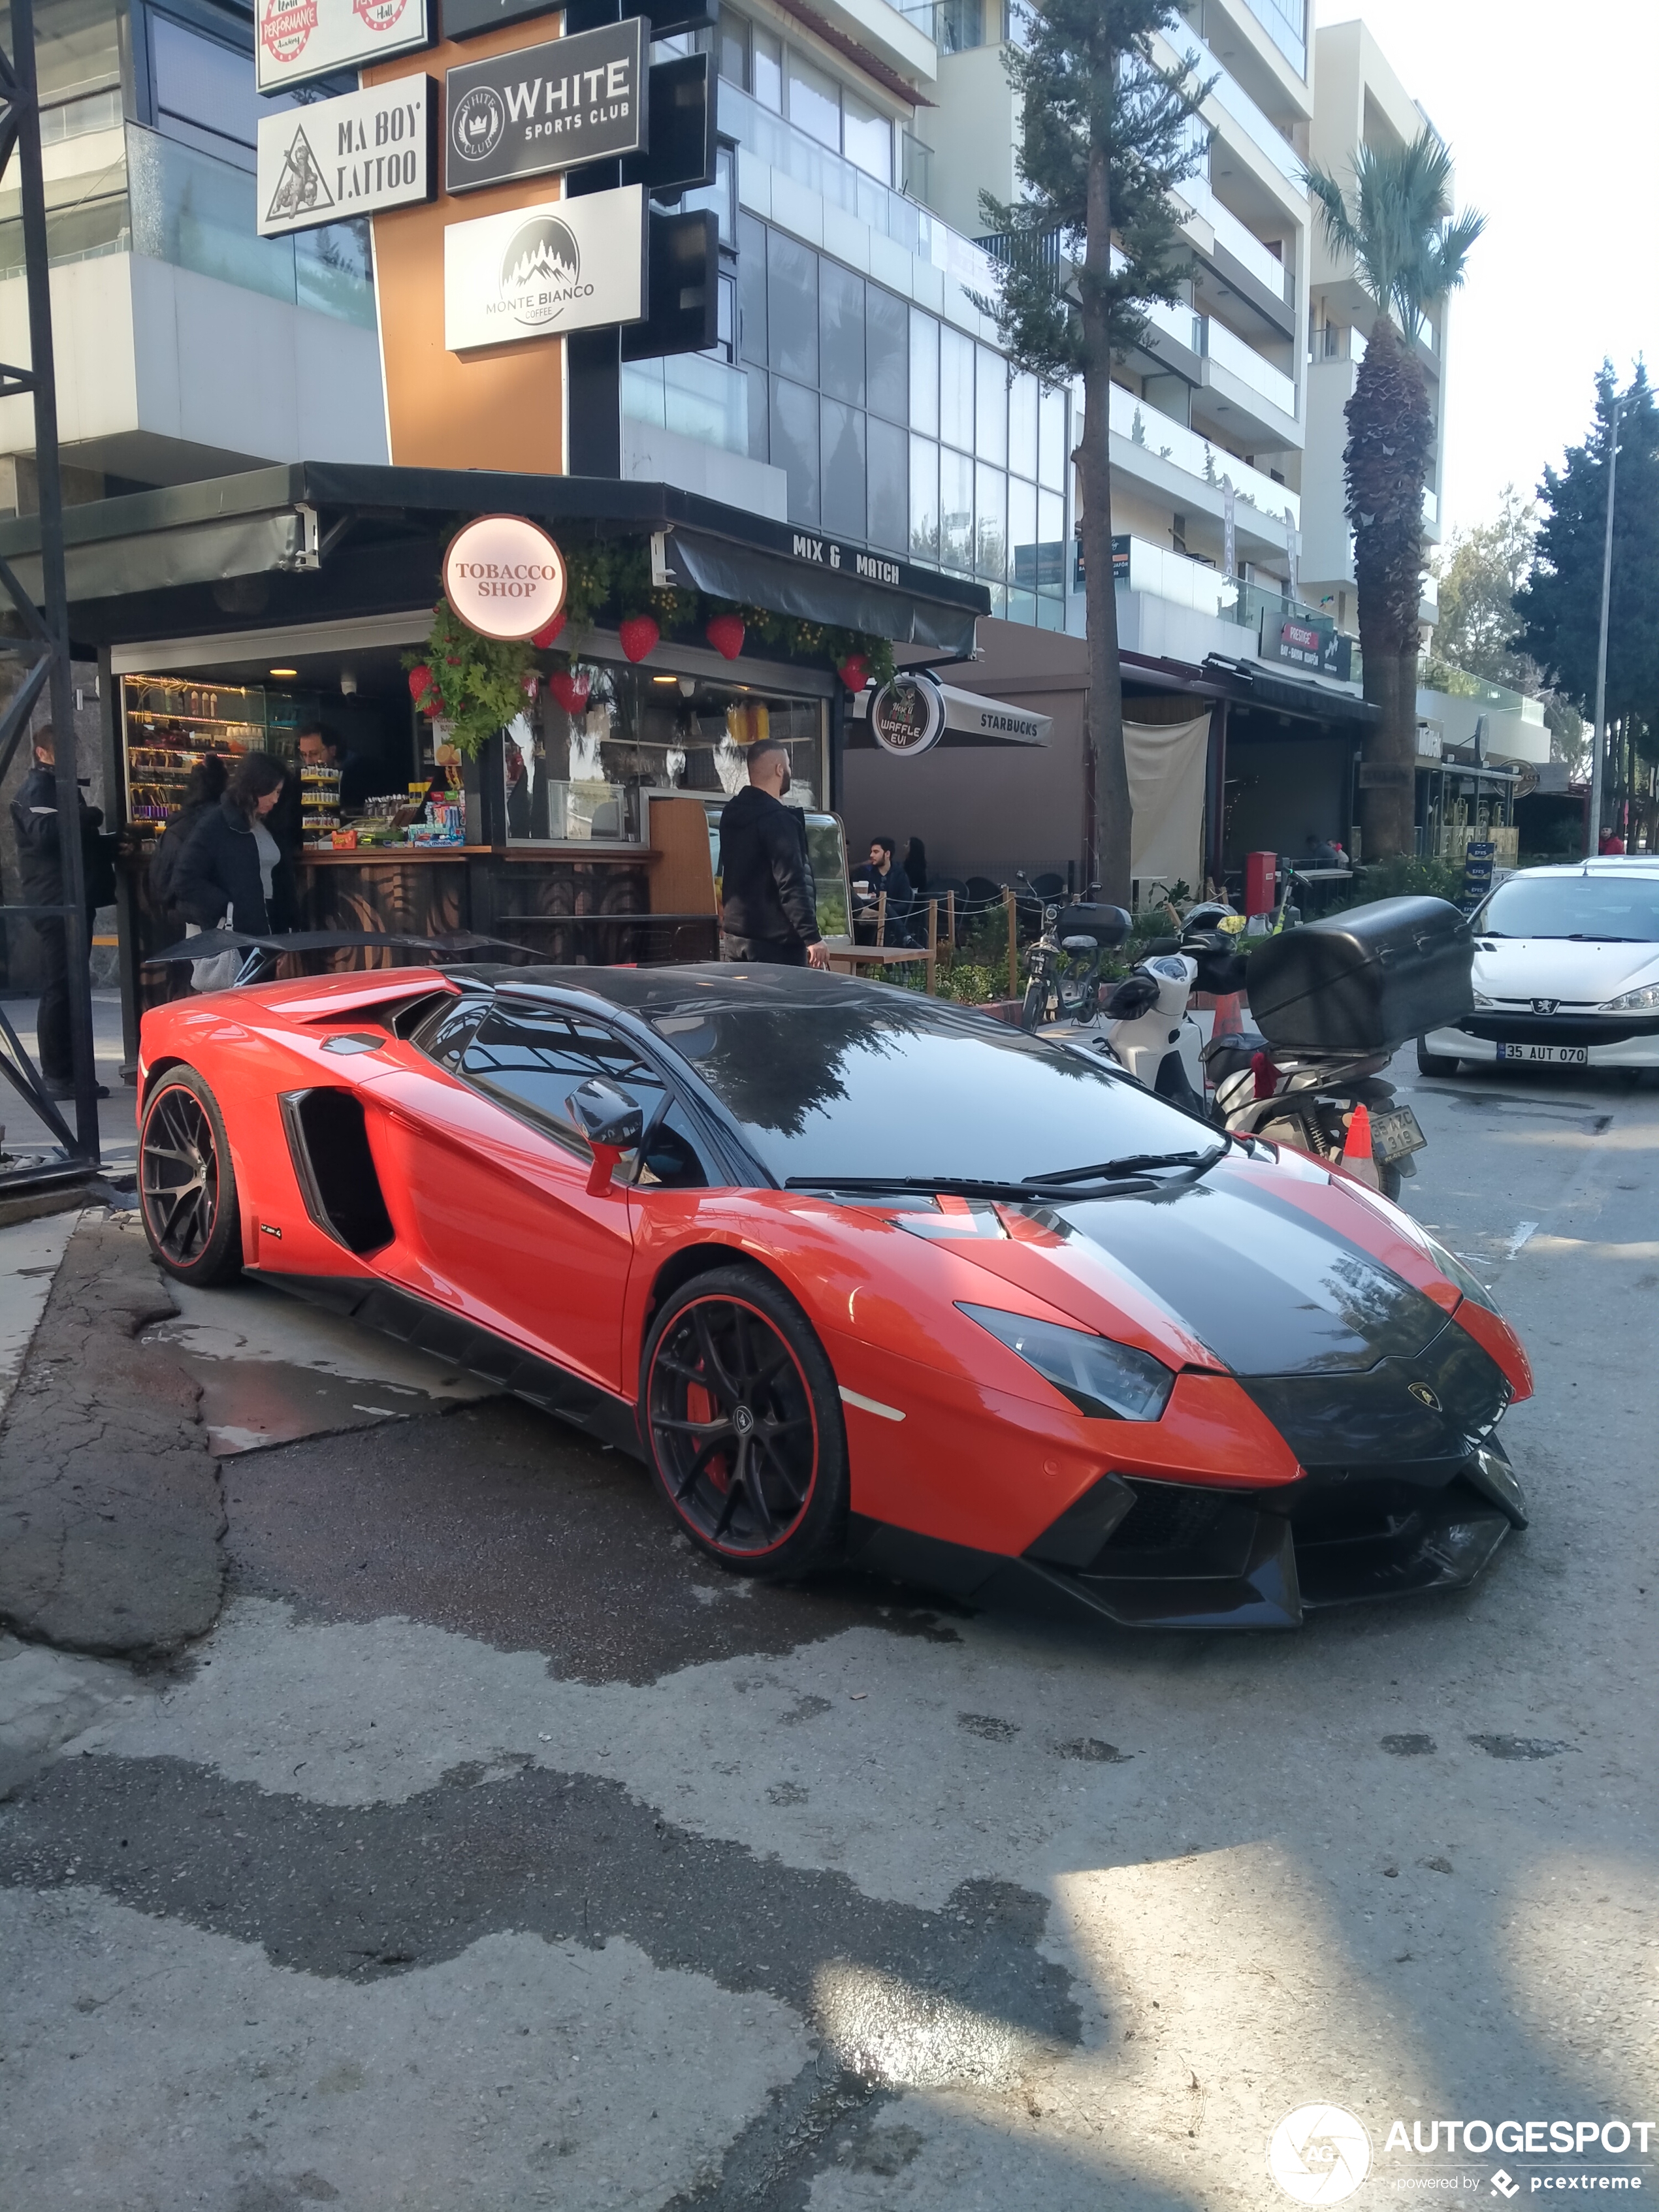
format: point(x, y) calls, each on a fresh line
point(1357, 1159)
point(1229, 1020)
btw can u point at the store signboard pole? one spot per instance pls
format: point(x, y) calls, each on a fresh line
point(46, 644)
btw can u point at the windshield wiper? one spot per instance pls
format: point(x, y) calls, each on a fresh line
point(984, 1187)
point(1110, 1170)
point(1600, 937)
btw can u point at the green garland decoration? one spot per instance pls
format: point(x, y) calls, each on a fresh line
point(476, 684)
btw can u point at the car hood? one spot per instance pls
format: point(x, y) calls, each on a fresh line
point(1586, 974)
point(1264, 1284)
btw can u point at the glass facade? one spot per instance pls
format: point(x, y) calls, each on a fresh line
point(895, 428)
point(176, 184)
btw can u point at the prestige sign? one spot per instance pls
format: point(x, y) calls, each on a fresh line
point(353, 156)
point(540, 271)
point(504, 576)
point(296, 40)
point(546, 107)
point(908, 715)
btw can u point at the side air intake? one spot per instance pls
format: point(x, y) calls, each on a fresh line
point(336, 1169)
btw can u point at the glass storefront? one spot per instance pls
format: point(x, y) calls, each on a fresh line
point(576, 761)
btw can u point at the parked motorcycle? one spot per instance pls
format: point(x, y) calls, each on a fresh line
point(1330, 998)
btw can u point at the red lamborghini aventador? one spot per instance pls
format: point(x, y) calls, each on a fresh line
point(861, 1275)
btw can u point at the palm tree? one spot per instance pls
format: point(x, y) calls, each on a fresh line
point(1409, 251)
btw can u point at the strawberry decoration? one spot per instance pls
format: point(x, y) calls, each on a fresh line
point(725, 633)
point(419, 678)
point(855, 672)
point(549, 631)
point(570, 688)
point(639, 635)
point(531, 682)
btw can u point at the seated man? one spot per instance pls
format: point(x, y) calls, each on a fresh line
point(878, 876)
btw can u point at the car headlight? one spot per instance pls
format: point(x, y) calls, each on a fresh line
point(1481, 1000)
point(1642, 1001)
point(1454, 1272)
point(1112, 1381)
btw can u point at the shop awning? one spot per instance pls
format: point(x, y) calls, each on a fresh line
point(311, 540)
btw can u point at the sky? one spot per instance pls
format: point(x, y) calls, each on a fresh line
point(1548, 106)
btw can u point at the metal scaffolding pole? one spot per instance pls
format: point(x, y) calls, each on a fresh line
point(44, 645)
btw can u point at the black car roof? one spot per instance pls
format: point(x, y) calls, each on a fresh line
point(680, 989)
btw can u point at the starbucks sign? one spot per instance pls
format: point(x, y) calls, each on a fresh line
point(908, 715)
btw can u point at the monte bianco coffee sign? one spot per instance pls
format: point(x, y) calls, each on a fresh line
point(333, 159)
point(544, 108)
point(297, 40)
point(541, 271)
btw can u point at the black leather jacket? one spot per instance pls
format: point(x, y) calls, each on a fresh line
point(767, 888)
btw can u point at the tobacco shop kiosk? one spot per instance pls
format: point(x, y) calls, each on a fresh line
point(235, 615)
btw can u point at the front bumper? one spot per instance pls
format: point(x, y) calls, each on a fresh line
point(1609, 1040)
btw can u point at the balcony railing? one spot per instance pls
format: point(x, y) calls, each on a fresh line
point(692, 395)
point(1240, 242)
point(792, 154)
point(1243, 361)
point(1285, 22)
point(1160, 434)
point(1231, 98)
point(1175, 577)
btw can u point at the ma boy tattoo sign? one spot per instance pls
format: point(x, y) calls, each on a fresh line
point(545, 107)
point(353, 156)
point(296, 41)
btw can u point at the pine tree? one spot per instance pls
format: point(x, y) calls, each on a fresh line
point(1104, 134)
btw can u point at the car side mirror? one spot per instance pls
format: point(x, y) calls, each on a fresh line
point(612, 1122)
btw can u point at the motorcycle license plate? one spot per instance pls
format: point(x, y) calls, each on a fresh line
point(1555, 1056)
point(1395, 1133)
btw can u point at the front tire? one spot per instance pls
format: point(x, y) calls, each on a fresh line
point(187, 1184)
point(742, 1417)
point(1034, 1005)
point(1434, 1063)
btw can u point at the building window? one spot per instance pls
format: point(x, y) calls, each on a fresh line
point(889, 472)
point(924, 499)
point(814, 102)
point(795, 446)
point(766, 68)
point(841, 296)
point(955, 388)
point(991, 408)
point(866, 136)
point(1051, 442)
point(792, 275)
point(843, 512)
point(887, 353)
point(924, 373)
point(204, 91)
point(955, 512)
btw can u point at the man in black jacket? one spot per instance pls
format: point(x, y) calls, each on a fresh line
point(34, 818)
point(768, 904)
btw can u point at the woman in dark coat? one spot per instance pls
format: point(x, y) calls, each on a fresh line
point(233, 867)
point(915, 867)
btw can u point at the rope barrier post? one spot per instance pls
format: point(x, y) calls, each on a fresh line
point(881, 918)
point(1013, 940)
point(932, 948)
point(950, 918)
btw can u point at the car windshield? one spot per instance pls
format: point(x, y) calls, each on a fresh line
point(893, 1084)
point(1599, 907)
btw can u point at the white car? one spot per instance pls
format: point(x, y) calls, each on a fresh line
point(1566, 971)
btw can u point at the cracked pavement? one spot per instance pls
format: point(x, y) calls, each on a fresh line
point(491, 1849)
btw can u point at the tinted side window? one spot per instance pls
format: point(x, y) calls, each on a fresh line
point(445, 1035)
point(532, 1062)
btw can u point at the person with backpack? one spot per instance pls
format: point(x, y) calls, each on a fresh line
point(35, 818)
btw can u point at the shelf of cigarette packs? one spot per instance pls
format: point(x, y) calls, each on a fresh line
point(319, 803)
point(169, 728)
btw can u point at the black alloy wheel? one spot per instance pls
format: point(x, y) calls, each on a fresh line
point(743, 1421)
point(187, 1185)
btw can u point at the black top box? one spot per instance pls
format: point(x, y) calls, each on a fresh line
point(1365, 981)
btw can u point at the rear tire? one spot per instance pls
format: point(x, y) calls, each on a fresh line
point(1034, 1005)
point(741, 1414)
point(1434, 1063)
point(1391, 1180)
point(187, 1184)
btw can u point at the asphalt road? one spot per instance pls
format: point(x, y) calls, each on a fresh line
point(496, 1852)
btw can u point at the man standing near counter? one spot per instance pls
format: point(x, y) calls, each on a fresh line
point(768, 902)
